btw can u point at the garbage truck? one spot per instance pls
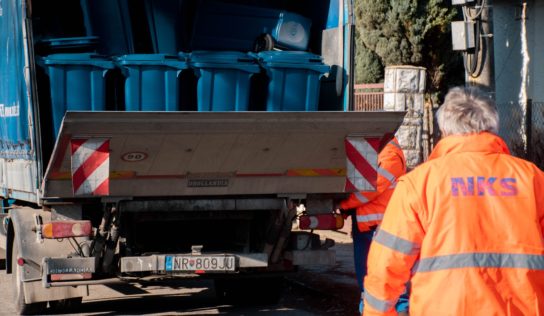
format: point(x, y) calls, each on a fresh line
point(157, 139)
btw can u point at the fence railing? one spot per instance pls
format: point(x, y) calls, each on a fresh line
point(368, 97)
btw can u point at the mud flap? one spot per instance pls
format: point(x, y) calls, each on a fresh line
point(35, 292)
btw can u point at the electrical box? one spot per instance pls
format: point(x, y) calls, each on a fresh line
point(462, 35)
point(461, 2)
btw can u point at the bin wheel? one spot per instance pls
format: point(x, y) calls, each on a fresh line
point(22, 308)
point(263, 43)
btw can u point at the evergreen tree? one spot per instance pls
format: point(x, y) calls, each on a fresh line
point(368, 67)
point(409, 32)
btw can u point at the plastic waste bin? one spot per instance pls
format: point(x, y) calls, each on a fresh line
point(165, 25)
point(152, 81)
point(110, 20)
point(226, 26)
point(223, 80)
point(77, 83)
point(294, 80)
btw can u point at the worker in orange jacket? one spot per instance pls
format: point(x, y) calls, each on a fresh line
point(466, 228)
point(370, 206)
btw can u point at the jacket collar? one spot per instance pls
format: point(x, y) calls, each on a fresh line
point(478, 142)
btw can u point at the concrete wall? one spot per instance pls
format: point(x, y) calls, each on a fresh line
point(508, 56)
point(507, 24)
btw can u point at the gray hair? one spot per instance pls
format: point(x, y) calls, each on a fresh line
point(466, 111)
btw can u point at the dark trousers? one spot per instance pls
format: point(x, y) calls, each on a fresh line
point(361, 246)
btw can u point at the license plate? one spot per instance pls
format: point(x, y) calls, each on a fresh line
point(208, 263)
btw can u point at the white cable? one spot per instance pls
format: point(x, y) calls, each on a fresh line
point(524, 74)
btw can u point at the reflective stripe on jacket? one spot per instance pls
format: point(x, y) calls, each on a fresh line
point(370, 206)
point(466, 228)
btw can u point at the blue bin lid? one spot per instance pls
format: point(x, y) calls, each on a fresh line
point(67, 42)
point(221, 57)
point(184, 56)
point(152, 60)
point(292, 59)
point(88, 59)
point(225, 60)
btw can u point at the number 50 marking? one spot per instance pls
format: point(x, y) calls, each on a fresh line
point(134, 156)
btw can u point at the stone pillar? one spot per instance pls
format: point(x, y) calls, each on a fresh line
point(404, 90)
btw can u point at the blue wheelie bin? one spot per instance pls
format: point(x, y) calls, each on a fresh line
point(77, 83)
point(151, 82)
point(223, 79)
point(294, 79)
point(228, 26)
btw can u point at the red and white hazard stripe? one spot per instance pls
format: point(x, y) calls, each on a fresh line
point(90, 166)
point(362, 163)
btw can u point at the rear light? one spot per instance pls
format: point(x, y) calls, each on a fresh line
point(64, 229)
point(71, 276)
point(20, 262)
point(321, 221)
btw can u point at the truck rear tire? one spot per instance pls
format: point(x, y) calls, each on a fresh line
point(22, 308)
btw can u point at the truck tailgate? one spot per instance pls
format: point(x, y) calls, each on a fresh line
point(215, 153)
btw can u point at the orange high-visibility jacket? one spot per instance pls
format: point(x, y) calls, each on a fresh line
point(466, 228)
point(370, 206)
